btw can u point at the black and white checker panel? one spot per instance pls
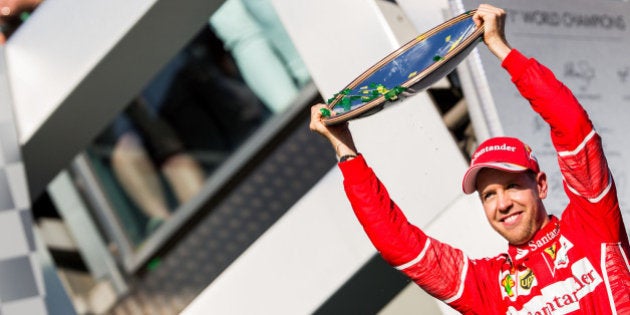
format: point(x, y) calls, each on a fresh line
point(21, 281)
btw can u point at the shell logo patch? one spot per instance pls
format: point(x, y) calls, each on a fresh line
point(508, 285)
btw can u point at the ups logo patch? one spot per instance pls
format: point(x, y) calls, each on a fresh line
point(526, 281)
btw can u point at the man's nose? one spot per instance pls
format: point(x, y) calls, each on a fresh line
point(504, 201)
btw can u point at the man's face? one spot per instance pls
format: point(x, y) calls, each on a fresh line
point(513, 202)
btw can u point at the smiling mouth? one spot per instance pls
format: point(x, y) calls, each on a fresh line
point(511, 219)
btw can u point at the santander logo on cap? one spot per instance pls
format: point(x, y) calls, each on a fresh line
point(482, 150)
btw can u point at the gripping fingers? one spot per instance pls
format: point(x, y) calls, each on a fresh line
point(316, 117)
point(325, 112)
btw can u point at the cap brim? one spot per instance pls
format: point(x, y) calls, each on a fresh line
point(470, 178)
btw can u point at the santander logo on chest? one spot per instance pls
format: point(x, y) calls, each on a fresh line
point(563, 294)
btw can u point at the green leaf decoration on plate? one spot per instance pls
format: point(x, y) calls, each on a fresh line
point(366, 94)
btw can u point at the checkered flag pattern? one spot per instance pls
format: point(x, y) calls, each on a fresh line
point(21, 281)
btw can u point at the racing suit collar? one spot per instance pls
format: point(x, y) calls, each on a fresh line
point(543, 239)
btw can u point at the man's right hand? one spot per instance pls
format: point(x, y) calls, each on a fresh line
point(339, 135)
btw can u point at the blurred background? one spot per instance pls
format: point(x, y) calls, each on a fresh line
point(170, 168)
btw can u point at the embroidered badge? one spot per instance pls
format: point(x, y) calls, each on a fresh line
point(551, 251)
point(557, 255)
point(527, 280)
point(508, 285)
point(562, 256)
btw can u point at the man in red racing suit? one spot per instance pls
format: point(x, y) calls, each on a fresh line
point(577, 264)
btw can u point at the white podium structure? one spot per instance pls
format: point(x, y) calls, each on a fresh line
point(308, 254)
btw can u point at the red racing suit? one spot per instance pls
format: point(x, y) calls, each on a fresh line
point(574, 265)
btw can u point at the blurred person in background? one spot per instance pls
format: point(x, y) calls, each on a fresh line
point(264, 53)
point(184, 123)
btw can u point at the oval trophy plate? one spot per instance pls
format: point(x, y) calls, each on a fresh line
point(410, 69)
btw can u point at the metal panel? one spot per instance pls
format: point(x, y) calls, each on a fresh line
point(21, 279)
point(77, 75)
point(85, 233)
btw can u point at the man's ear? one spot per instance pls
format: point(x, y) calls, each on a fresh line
point(541, 183)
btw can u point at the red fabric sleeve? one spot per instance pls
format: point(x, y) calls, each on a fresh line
point(438, 268)
point(587, 178)
point(387, 227)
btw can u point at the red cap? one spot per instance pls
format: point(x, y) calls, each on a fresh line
point(501, 153)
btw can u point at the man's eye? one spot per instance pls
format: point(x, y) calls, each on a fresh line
point(486, 196)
